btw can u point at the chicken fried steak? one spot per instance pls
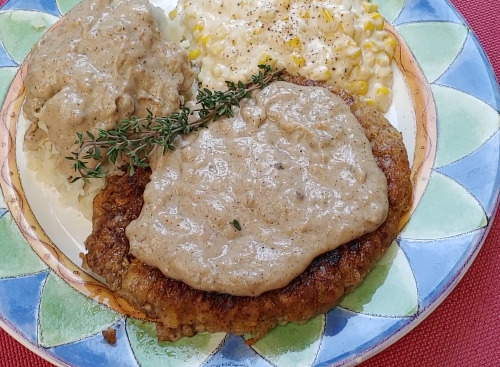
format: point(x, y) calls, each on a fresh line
point(184, 311)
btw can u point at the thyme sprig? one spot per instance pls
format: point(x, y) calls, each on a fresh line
point(133, 138)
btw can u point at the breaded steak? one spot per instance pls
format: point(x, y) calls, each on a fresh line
point(184, 311)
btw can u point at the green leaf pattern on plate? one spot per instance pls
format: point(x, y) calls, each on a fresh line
point(20, 30)
point(66, 5)
point(292, 344)
point(434, 54)
point(442, 197)
point(390, 9)
point(464, 125)
point(388, 290)
point(16, 257)
point(6, 76)
point(186, 352)
point(66, 315)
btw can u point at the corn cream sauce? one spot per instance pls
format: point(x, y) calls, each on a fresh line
point(342, 42)
point(293, 167)
point(106, 61)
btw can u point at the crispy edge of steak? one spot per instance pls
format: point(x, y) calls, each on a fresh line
point(183, 311)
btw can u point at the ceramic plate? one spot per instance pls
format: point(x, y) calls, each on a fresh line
point(446, 104)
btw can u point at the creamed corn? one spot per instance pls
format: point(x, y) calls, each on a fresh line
point(341, 42)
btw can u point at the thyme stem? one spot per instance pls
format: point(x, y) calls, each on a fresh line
point(133, 138)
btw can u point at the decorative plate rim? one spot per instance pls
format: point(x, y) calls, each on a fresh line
point(454, 276)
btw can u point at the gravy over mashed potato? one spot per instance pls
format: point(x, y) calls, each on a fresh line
point(294, 168)
point(106, 61)
point(341, 42)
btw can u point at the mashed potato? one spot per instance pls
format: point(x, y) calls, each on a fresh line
point(342, 42)
point(106, 61)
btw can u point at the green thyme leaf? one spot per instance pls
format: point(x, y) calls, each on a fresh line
point(236, 224)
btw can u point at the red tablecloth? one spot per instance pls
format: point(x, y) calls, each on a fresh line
point(465, 329)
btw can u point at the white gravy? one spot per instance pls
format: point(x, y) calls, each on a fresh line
point(293, 167)
point(107, 60)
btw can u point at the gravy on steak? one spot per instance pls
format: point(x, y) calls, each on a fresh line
point(296, 171)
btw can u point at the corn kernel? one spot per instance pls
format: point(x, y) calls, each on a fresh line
point(383, 59)
point(172, 14)
point(369, 26)
point(390, 46)
point(383, 91)
point(370, 102)
point(376, 16)
point(390, 42)
point(378, 19)
point(206, 39)
point(265, 58)
point(198, 27)
point(351, 42)
point(391, 57)
point(359, 87)
point(194, 54)
point(369, 7)
point(284, 18)
point(328, 16)
point(320, 73)
point(295, 42)
point(304, 14)
point(369, 45)
point(299, 60)
point(354, 52)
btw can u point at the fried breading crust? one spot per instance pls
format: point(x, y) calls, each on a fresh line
point(184, 311)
